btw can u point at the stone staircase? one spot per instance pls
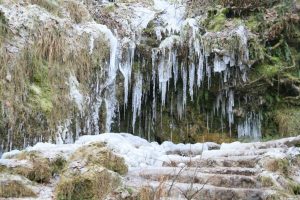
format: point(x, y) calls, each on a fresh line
point(214, 175)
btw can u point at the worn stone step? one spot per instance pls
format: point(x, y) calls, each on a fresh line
point(233, 161)
point(221, 180)
point(161, 190)
point(207, 170)
point(237, 152)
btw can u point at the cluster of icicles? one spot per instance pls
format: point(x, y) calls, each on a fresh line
point(202, 63)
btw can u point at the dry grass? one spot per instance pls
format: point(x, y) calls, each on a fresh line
point(77, 11)
point(40, 171)
point(50, 5)
point(276, 165)
point(15, 189)
point(37, 98)
point(99, 155)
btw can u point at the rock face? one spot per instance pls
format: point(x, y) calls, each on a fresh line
point(103, 167)
point(166, 70)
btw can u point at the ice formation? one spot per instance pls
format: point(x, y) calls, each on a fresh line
point(204, 60)
point(251, 126)
point(184, 62)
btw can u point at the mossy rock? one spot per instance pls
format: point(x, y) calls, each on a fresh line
point(49, 5)
point(57, 165)
point(94, 183)
point(40, 171)
point(97, 154)
point(146, 193)
point(266, 181)
point(216, 19)
point(279, 165)
point(14, 187)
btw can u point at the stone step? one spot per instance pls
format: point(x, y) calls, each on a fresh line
point(178, 191)
point(238, 152)
point(220, 180)
point(207, 170)
point(233, 161)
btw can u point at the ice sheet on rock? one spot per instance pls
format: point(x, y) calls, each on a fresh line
point(53, 151)
point(10, 154)
point(75, 93)
point(184, 149)
point(96, 31)
point(142, 17)
point(172, 15)
point(134, 154)
point(11, 163)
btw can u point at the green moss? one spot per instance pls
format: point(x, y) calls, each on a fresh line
point(40, 93)
point(296, 189)
point(266, 181)
point(109, 8)
point(269, 68)
point(57, 165)
point(3, 28)
point(256, 49)
point(217, 22)
point(149, 30)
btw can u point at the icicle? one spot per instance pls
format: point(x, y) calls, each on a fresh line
point(137, 98)
point(184, 82)
point(230, 105)
point(191, 79)
point(154, 57)
point(219, 65)
point(251, 126)
point(175, 67)
point(200, 70)
point(126, 68)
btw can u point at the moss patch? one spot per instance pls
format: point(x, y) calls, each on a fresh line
point(266, 181)
point(216, 20)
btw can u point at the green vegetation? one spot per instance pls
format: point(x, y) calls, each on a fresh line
point(216, 19)
point(266, 181)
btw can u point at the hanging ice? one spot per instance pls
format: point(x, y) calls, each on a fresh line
point(126, 68)
point(137, 98)
point(251, 126)
point(191, 79)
